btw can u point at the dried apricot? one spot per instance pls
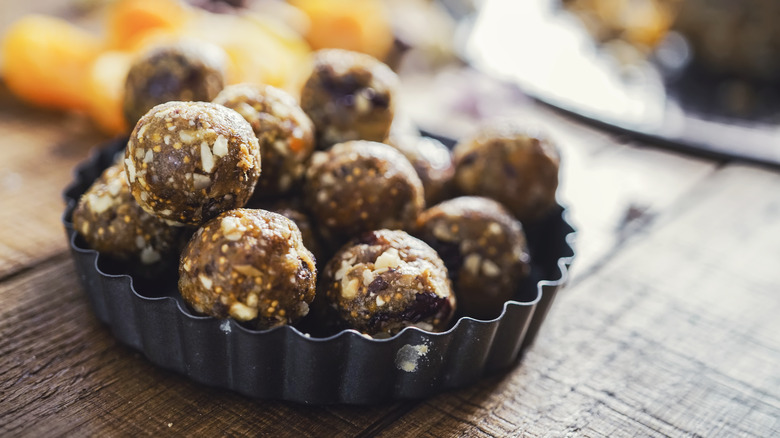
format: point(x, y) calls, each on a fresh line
point(105, 90)
point(258, 51)
point(358, 25)
point(46, 59)
point(129, 22)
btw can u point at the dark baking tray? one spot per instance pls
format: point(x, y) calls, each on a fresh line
point(286, 364)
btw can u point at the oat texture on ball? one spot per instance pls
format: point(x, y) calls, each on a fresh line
point(250, 265)
point(361, 186)
point(511, 164)
point(110, 220)
point(349, 96)
point(386, 280)
point(187, 162)
point(283, 130)
point(484, 248)
point(185, 70)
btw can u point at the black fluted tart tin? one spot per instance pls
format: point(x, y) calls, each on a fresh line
point(285, 363)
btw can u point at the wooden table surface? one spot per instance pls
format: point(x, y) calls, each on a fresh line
point(669, 326)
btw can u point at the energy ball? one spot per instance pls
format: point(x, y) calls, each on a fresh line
point(349, 96)
point(386, 280)
point(361, 186)
point(189, 161)
point(484, 248)
point(111, 222)
point(250, 265)
point(284, 131)
point(511, 165)
point(432, 161)
point(185, 70)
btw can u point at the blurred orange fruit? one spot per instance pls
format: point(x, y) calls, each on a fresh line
point(259, 51)
point(129, 22)
point(46, 59)
point(359, 25)
point(54, 64)
point(106, 90)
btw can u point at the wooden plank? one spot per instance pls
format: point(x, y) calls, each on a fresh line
point(63, 373)
point(40, 150)
point(675, 336)
point(618, 191)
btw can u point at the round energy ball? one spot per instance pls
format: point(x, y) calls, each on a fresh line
point(111, 222)
point(361, 186)
point(185, 70)
point(508, 163)
point(189, 161)
point(284, 131)
point(250, 265)
point(386, 280)
point(349, 96)
point(484, 248)
point(432, 161)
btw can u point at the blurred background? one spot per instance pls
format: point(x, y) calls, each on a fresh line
point(73, 55)
point(693, 75)
point(699, 75)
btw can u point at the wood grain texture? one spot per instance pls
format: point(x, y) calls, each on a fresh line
point(675, 336)
point(617, 192)
point(39, 151)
